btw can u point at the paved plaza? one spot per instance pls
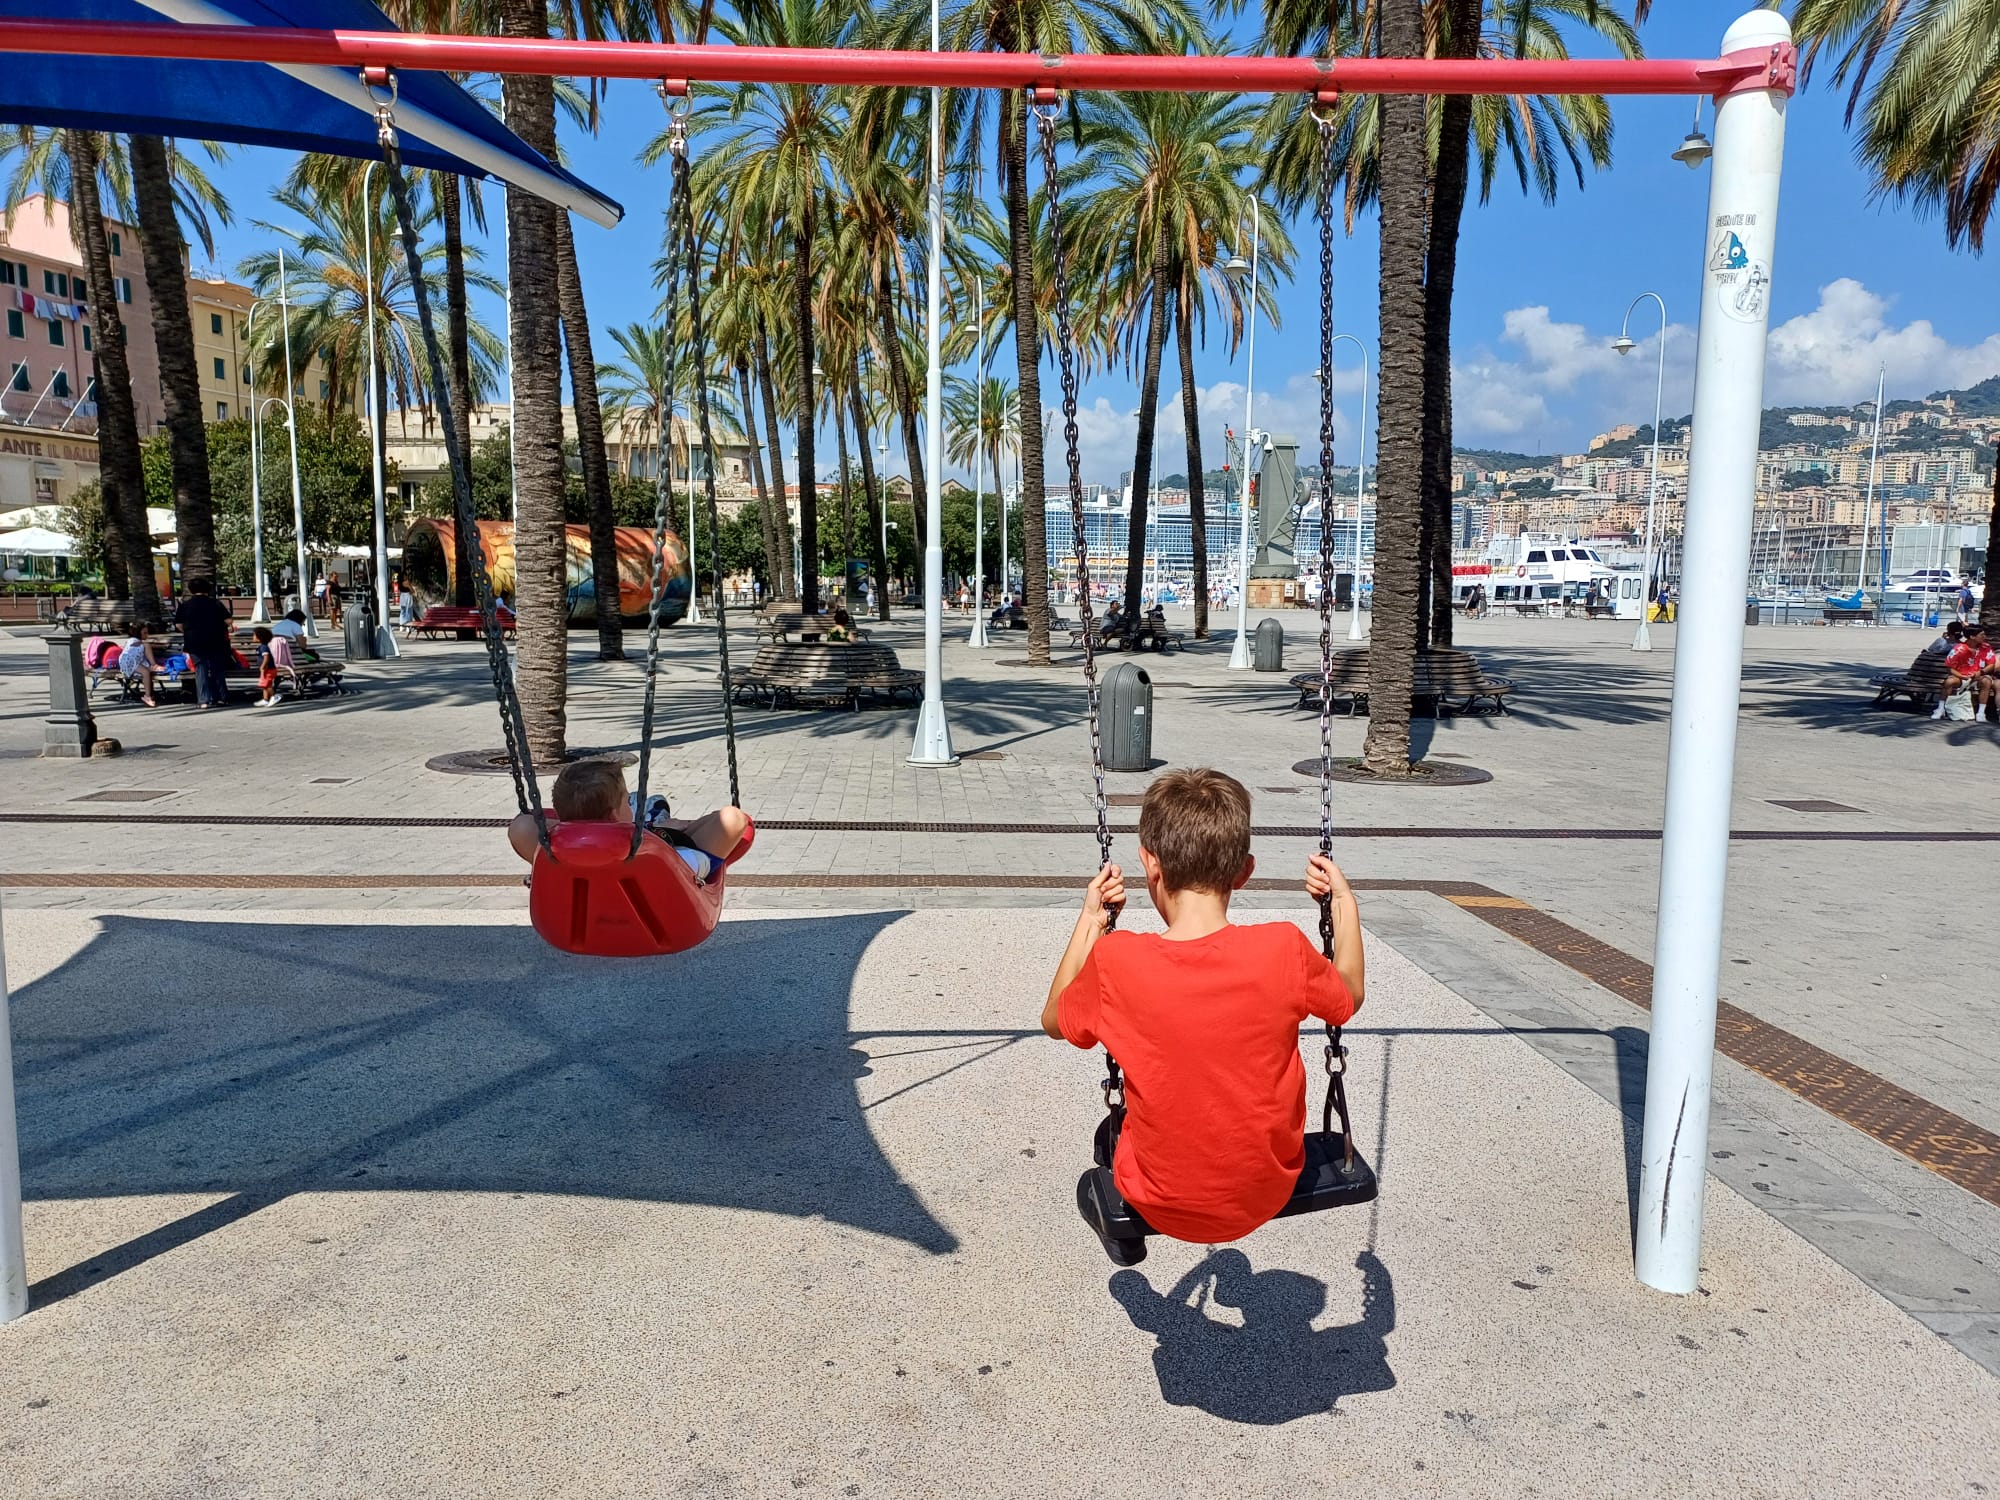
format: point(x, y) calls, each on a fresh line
point(340, 1183)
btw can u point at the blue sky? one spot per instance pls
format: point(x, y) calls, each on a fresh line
point(1541, 290)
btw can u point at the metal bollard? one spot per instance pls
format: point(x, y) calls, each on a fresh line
point(70, 730)
point(1267, 647)
point(1128, 718)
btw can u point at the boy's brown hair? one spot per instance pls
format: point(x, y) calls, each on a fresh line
point(590, 791)
point(1197, 825)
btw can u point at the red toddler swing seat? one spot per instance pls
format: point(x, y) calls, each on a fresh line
point(591, 893)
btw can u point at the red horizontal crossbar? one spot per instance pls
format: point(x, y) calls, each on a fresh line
point(974, 70)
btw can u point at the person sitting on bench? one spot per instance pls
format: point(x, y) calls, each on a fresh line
point(1205, 1016)
point(1972, 664)
point(136, 664)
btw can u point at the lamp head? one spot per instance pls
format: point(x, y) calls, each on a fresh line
point(1695, 150)
point(1236, 267)
point(1624, 343)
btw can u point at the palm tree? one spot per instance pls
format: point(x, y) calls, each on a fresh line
point(1045, 26)
point(982, 423)
point(541, 563)
point(730, 313)
point(779, 149)
point(166, 185)
point(590, 443)
point(1403, 165)
point(77, 167)
point(1923, 79)
point(1163, 175)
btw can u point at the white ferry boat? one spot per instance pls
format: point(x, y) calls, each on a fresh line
point(1533, 573)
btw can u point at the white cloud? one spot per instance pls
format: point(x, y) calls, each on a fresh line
point(1830, 355)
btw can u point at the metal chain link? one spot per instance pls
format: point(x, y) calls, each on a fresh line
point(677, 208)
point(684, 191)
point(520, 762)
point(1045, 121)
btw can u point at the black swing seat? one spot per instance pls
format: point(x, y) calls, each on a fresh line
point(1328, 1180)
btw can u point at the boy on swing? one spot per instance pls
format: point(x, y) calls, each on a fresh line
point(1204, 1018)
point(593, 791)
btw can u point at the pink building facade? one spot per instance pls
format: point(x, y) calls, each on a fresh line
point(47, 328)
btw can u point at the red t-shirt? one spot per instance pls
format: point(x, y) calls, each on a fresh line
point(1207, 1032)
point(1968, 660)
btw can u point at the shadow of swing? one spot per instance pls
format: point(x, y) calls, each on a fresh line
point(260, 1060)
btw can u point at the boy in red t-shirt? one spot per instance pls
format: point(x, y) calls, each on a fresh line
point(1971, 662)
point(1204, 1018)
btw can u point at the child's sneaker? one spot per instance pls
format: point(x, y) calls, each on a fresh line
point(1938, 712)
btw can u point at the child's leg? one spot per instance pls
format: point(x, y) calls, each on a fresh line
point(719, 832)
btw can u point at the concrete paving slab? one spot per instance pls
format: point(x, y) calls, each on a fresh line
point(793, 1215)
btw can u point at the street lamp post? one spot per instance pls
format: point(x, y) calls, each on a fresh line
point(385, 637)
point(977, 636)
point(1354, 630)
point(260, 612)
point(1239, 653)
point(931, 744)
point(798, 556)
point(694, 571)
point(882, 515)
point(292, 431)
point(1625, 344)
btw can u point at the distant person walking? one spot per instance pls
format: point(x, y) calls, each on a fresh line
point(1964, 602)
point(203, 620)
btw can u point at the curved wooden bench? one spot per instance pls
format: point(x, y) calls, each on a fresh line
point(1451, 681)
point(1920, 683)
point(792, 673)
point(459, 620)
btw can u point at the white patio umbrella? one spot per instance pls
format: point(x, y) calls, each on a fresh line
point(36, 541)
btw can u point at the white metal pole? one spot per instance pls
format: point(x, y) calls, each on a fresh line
point(292, 430)
point(694, 568)
point(1239, 653)
point(1642, 639)
point(977, 637)
point(882, 515)
point(13, 1250)
point(260, 612)
point(1868, 504)
point(1354, 630)
point(931, 745)
point(385, 637)
point(1708, 661)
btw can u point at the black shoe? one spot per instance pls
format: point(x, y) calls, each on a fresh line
point(1122, 1252)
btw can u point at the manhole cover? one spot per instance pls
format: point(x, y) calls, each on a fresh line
point(1426, 773)
point(122, 794)
point(1282, 791)
point(330, 781)
point(1060, 663)
point(1125, 799)
point(1813, 804)
point(494, 762)
point(984, 755)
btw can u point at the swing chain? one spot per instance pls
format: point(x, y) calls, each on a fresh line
point(1045, 120)
point(527, 790)
point(663, 481)
point(684, 194)
point(1336, 1048)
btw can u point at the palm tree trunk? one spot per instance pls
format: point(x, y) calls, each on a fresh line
point(590, 444)
point(871, 496)
point(846, 505)
point(1989, 605)
point(459, 337)
point(1028, 378)
point(1197, 499)
point(1440, 276)
point(1399, 443)
point(781, 516)
point(802, 290)
point(541, 552)
point(124, 484)
point(767, 524)
point(173, 335)
point(906, 402)
point(1149, 416)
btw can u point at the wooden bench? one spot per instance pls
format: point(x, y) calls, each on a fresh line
point(1450, 681)
point(1835, 615)
point(792, 674)
point(780, 625)
point(100, 617)
point(1130, 636)
point(1920, 682)
point(457, 620)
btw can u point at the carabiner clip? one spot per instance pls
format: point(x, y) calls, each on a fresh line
point(674, 95)
point(381, 86)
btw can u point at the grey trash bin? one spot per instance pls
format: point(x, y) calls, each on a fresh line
point(358, 625)
point(1267, 647)
point(1127, 709)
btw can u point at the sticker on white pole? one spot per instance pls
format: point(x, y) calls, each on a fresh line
point(1740, 275)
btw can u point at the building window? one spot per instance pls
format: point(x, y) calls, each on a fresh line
point(20, 380)
point(246, 374)
point(61, 386)
point(55, 332)
point(6, 273)
point(115, 249)
point(322, 390)
point(86, 338)
point(215, 322)
point(16, 326)
point(221, 370)
point(49, 282)
point(123, 288)
point(222, 411)
point(21, 272)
